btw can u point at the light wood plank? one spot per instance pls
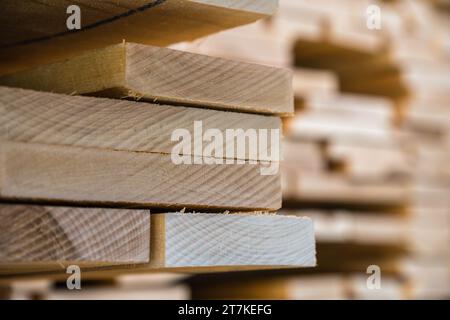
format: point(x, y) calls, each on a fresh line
point(90, 175)
point(167, 76)
point(235, 239)
point(40, 27)
point(338, 190)
point(372, 163)
point(40, 117)
point(37, 234)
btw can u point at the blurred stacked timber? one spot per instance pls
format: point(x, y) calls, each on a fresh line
point(160, 286)
point(412, 71)
point(88, 147)
point(352, 161)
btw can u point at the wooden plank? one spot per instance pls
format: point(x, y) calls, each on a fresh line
point(365, 227)
point(42, 237)
point(371, 163)
point(350, 117)
point(338, 190)
point(194, 242)
point(40, 27)
point(235, 239)
point(308, 82)
point(167, 76)
point(39, 117)
point(90, 175)
point(380, 228)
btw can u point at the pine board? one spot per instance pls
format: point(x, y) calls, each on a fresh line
point(338, 190)
point(55, 119)
point(90, 175)
point(167, 76)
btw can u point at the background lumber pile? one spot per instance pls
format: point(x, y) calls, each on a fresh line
point(124, 287)
point(365, 153)
point(103, 155)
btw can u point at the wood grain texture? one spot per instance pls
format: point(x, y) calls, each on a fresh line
point(31, 233)
point(40, 27)
point(56, 119)
point(165, 75)
point(89, 175)
point(206, 242)
point(235, 239)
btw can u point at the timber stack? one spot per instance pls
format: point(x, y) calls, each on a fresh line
point(121, 156)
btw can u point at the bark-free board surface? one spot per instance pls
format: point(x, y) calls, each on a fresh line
point(235, 239)
point(57, 119)
point(88, 236)
point(165, 75)
point(90, 175)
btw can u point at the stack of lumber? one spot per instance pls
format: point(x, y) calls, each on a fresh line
point(413, 73)
point(105, 157)
point(365, 154)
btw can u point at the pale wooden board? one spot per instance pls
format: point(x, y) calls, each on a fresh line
point(365, 227)
point(31, 234)
point(56, 119)
point(39, 27)
point(307, 82)
point(372, 163)
point(336, 189)
point(236, 239)
point(90, 175)
point(406, 231)
point(167, 76)
point(356, 118)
